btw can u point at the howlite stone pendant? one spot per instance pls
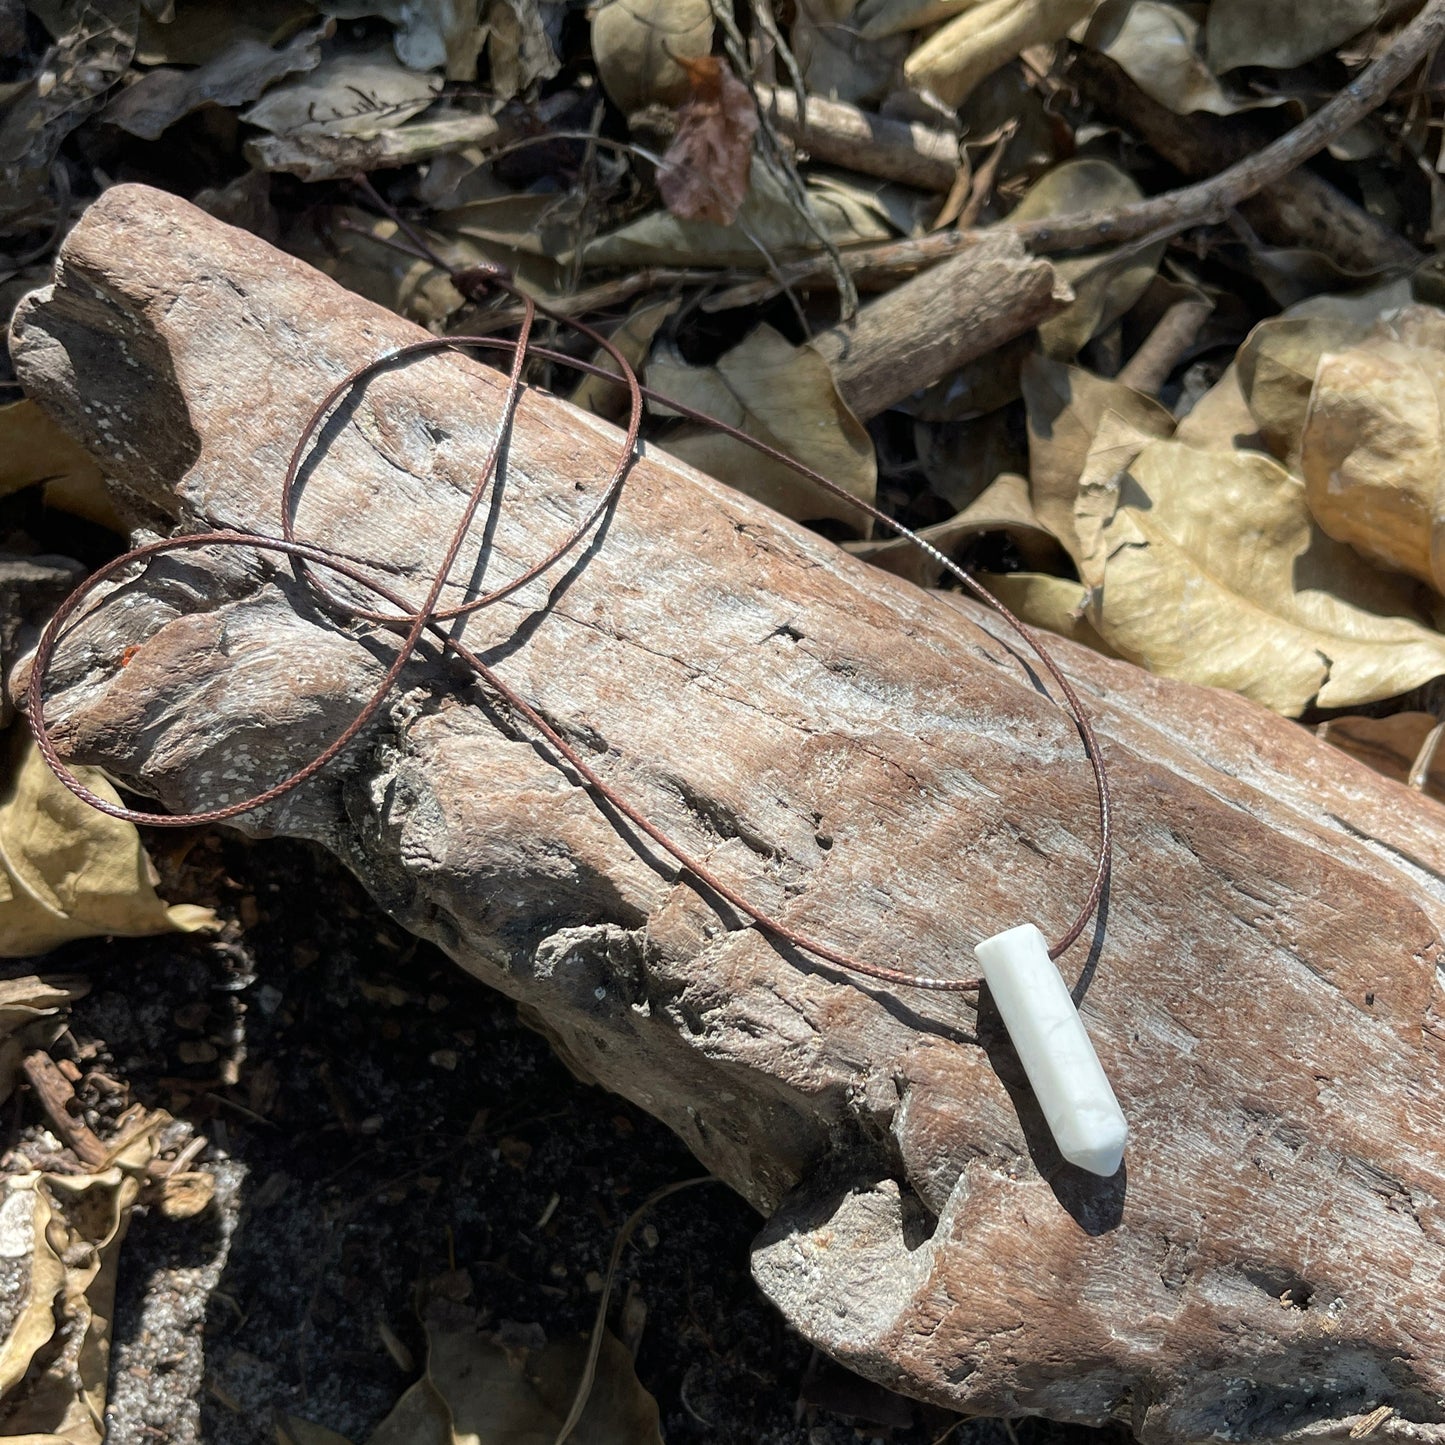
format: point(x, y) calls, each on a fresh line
point(1082, 1113)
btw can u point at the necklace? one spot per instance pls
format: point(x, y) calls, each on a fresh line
point(1017, 965)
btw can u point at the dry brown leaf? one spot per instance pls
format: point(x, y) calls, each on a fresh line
point(33, 1014)
point(34, 449)
point(957, 57)
point(705, 172)
point(1285, 33)
point(769, 224)
point(633, 339)
point(1372, 451)
point(353, 92)
point(1212, 570)
point(519, 54)
point(477, 1392)
point(637, 46)
point(70, 871)
point(837, 61)
point(1105, 286)
point(782, 395)
point(1054, 603)
point(1066, 405)
point(60, 1239)
point(1157, 46)
point(234, 77)
point(1221, 419)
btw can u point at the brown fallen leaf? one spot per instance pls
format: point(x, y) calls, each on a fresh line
point(33, 449)
point(236, 76)
point(1372, 450)
point(952, 61)
point(478, 1392)
point(632, 338)
point(1003, 506)
point(639, 46)
point(1054, 603)
point(1285, 33)
point(68, 871)
point(1157, 46)
point(705, 171)
point(784, 396)
point(354, 91)
point(1066, 406)
point(60, 1237)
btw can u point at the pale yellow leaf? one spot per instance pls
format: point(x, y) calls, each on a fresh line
point(69, 870)
point(34, 449)
point(632, 338)
point(1216, 573)
point(1053, 603)
point(1372, 451)
point(1065, 406)
point(784, 396)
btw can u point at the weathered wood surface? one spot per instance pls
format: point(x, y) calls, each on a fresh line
point(869, 761)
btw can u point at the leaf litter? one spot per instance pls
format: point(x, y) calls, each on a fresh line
point(1263, 513)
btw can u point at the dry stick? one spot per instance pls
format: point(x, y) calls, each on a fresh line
point(1164, 347)
point(56, 1097)
point(1298, 209)
point(872, 145)
point(1162, 216)
point(939, 321)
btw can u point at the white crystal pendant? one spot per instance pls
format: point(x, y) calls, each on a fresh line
point(1082, 1113)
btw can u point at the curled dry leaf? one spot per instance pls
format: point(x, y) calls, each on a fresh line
point(1157, 46)
point(784, 396)
point(1105, 286)
point(704, 174)
point(1276, 364)
point(1372, 451)
point(234, 77)
point(519, 53)
point(1066, 406)
point(353, 92)
point(32, 1016)
point(638, 46)
point(60, 1239)
point(70, 871)
point(478, 1390)
point(975, 44)
point(1285, 33)
point(633, 339)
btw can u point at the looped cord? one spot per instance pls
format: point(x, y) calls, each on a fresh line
point(308, 559)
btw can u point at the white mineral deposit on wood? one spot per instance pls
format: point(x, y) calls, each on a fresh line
point(1067, 1078)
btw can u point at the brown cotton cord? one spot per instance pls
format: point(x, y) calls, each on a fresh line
point(309, 558)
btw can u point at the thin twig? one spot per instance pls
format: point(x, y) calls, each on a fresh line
point(1210, 201)
point(599, 1328)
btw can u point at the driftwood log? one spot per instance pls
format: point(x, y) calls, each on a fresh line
point(872, 762)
